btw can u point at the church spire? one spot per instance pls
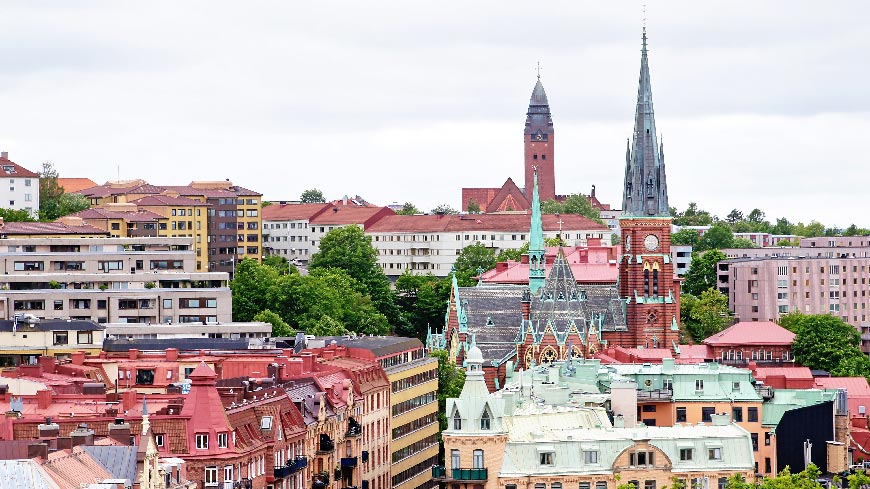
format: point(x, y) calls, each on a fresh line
point(646, 190)
point(537, 259)
point(538, 135)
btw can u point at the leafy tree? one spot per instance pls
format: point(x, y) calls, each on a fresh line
point(408, 209)
point(811, 230)
point(279, 263)
point(692, 216)
point(15, 215)
point(473, 207)
point(743, 243)
point(575, 204)
point(734, 216)
point(551, 207)
point(349, 249)
point(472, 258)
point(251, 288)
point(788, 242)
point(704, 316)
point(423, 299)
point(312, 196)
point(554, 241)
point(685, 237)
point(702, 272)
point(806, 479)
point(513, 254)
point(717, 237)
point(782, 226)
point(755, 216)
point(53, 201)
point(615, 239)
point(450, 381)
point(444, 209)
point(72, 203)
point(279, 327)
point(825, 342)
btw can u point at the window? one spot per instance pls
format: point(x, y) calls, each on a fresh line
point(266, 423)
point(754, 441)
point(211, 475)
point(752, 414)
point(85, 338)
point(58, 305)
point(477, 459)
point(222, 440)
point(714, 453)
point(641, 459)
point(158, 440)
point(649, 408)
point(546, 458)
point(202, 443)
point(737, 414)
point(707, 414)
point(485, 420)
point(699, 385)
point(61, 338)
point(601, 485)
point(767, 436)
point(590, 456)
point(681, 415)
point(650, 484)
point(454, 459)
point(686, 454)
point(167, 303)
point(28, 266)
point(457, 421)
point(145, 376)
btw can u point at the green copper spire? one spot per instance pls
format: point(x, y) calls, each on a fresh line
point(537, 260)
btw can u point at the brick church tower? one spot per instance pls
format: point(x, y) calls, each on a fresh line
point(646, 273)
point(538, 145)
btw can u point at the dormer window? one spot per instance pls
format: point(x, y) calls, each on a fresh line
point(457, 421)
point(485, 420)
point(202, 441)
point(266, 423)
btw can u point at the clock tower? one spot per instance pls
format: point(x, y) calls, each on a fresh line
point(538, 146)
point(646, 274)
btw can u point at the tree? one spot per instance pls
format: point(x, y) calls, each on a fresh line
point(53, 202)
point(451, 379)
point(811, 230)
point(444, 209)
point(615, 239)
point(743, 243)
point(717, 237)
point(513, 254)
point(734, 216)
point(279, 263)
point(408, 209)
point(423, 299)
point(806, 479)
point(702, 272)
point(575, 204)
point(693, 216)
point(71, 203)
point(349, 249)
point(473, 207)
point(312, 196)
point(279, 327)
point(15, 215)
point(554, 241)
point(472, 258)
point(685, 237)
point(782, 226)
point(251, 287)
point(704, 316)
point(825, 342)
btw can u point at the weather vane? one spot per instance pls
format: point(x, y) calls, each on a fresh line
point(644, 16)
point(539, 70)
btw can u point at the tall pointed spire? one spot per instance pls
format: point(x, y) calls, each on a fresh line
point(537, 259)
point(646, 190)
point(538, 135)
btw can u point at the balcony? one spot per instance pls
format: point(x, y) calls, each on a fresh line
point(348, 462)
point(459, 475)
point(291, 467)
point(766, 392)
point(655, 395)
point(243, 484)
point(320, 481)
point(326, 445)
point(354, 429)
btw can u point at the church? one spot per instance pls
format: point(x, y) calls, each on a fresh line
point(554, 317)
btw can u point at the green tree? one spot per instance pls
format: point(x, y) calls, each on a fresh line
point(473, 207)
point(15, 215)
point(279, 327)
point(704, 316)
point(692, 216)
point(408, 209)
point(551, 207)
point(685, 237)
point(444, 209)
point(825, 342)
point(615, 239)
point(450, 381)
point(734, 216)
point(423, 299)
point(279, 263)
point(554, 241)
point(811, 230)
point(251, 287)
point(782, 226)
point(349, 249)
point(513, 254)
point(312, 196)
point(575, 204)
point(50, 193)
point(472, 258)
point(717, 237)
point(702, 272)
point(743, 243)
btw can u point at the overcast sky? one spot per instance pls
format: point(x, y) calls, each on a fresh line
point(760, 104)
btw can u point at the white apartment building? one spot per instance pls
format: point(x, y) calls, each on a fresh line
point(431, 243)
point(110, 280)
point(19, 189)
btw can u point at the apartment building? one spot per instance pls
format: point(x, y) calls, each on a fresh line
point(67, 227)
point(186, 218)
point(19, 188)
point(124, 221)
point(285, 230)
point(110, 280)
point(25, 339)
point(431, 243)
point(339, 215)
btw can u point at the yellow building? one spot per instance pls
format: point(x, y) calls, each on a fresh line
point(123, 220)
point(27, 338)
point(185, 218)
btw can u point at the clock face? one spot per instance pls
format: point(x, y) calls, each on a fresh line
point(651, 242)
point(539, 137)
point(628, 243)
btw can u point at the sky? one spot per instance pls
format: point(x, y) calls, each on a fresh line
point(759, 104)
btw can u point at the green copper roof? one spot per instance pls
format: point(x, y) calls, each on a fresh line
point(537, 259)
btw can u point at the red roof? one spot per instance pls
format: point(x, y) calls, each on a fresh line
point(519, 223)
point(97, 213)
point(75, 184)
point(11, 169)
point(589, 265)
point(346, 214)
point(11, 228)
point(857, 386)
point(158, 200)
point(785, 377)
point(292, 212)
point(752, 333)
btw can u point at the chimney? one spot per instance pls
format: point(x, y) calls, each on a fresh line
point(134, 354)
point(128, 400)
point(43, 398)
point(49, 364)
point(77, 357)
point(328, 354)
point(171, 354)
point(294, 366)
point(30, 370)
point(526, 304)
point(37, 450)
point(4, 155)
point(120, 431)
point(307, 362)
point(82, 436)
point(48, 429)
point(64, 443)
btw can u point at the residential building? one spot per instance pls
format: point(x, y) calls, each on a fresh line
point(681, 255)
point(186, 218)
point(431, 243)
point(20, 187)
point(537, 435)
point(110, 280)
point(285, 230)
point(65, 228)
point(257, 332)
point(341, 214)
point(750, 341)
point(26, 338)
point(124, 221)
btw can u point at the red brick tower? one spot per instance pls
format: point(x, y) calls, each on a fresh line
point(539, 145)
point(646, 273)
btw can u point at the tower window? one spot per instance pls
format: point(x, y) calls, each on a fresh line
point(646, 282)
point(655, 282)
point(535, 157)
point(543, 157)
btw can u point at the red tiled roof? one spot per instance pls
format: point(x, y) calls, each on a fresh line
point(752, 333)
point(509, 197)
point(594, 267)
point(12, 228)
point(97, 213)
point(482, 196)
point(857, 386)
point(292, 212)
point(71, 468)
point(17, 171)
point(76, 184)
point(762, 373)
point(346, 214)
point(230, 191)
point(160, 200)
point(519, 223)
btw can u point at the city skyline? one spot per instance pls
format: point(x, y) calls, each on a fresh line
point(296, 91)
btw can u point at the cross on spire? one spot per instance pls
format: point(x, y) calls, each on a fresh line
point(539, 70)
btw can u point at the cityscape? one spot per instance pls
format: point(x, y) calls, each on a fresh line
point(524, 324)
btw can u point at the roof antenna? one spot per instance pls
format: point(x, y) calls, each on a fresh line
point(539, 70)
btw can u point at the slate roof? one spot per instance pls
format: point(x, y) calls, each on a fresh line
point(184, 344)
point(494, 316)
point(119, 461)
point(560, 303)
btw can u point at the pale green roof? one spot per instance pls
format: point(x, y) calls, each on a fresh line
point(719, 382)
point(788, 399)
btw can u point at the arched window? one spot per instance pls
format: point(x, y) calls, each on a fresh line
point(646, 282)
point(457, 421)
point(485, 420)
point(656, 282)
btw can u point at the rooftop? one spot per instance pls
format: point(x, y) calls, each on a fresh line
point(752, 333)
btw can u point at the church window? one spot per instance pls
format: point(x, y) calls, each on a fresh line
point(561, 296)
point(655, 282)
point(457, 421)
point(646, 282)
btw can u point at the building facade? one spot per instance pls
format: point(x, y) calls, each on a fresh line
point(20, 187)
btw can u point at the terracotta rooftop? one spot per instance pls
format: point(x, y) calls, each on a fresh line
point(13, 228)
point(11, 169)
point(160, 200)
point(292, 212)
point(229, 191)
point(97, 213)
point(76, 184)
point(752, 333)
point(71, 468)
point(519, 223)
point(589, 265)
point(345, 214)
